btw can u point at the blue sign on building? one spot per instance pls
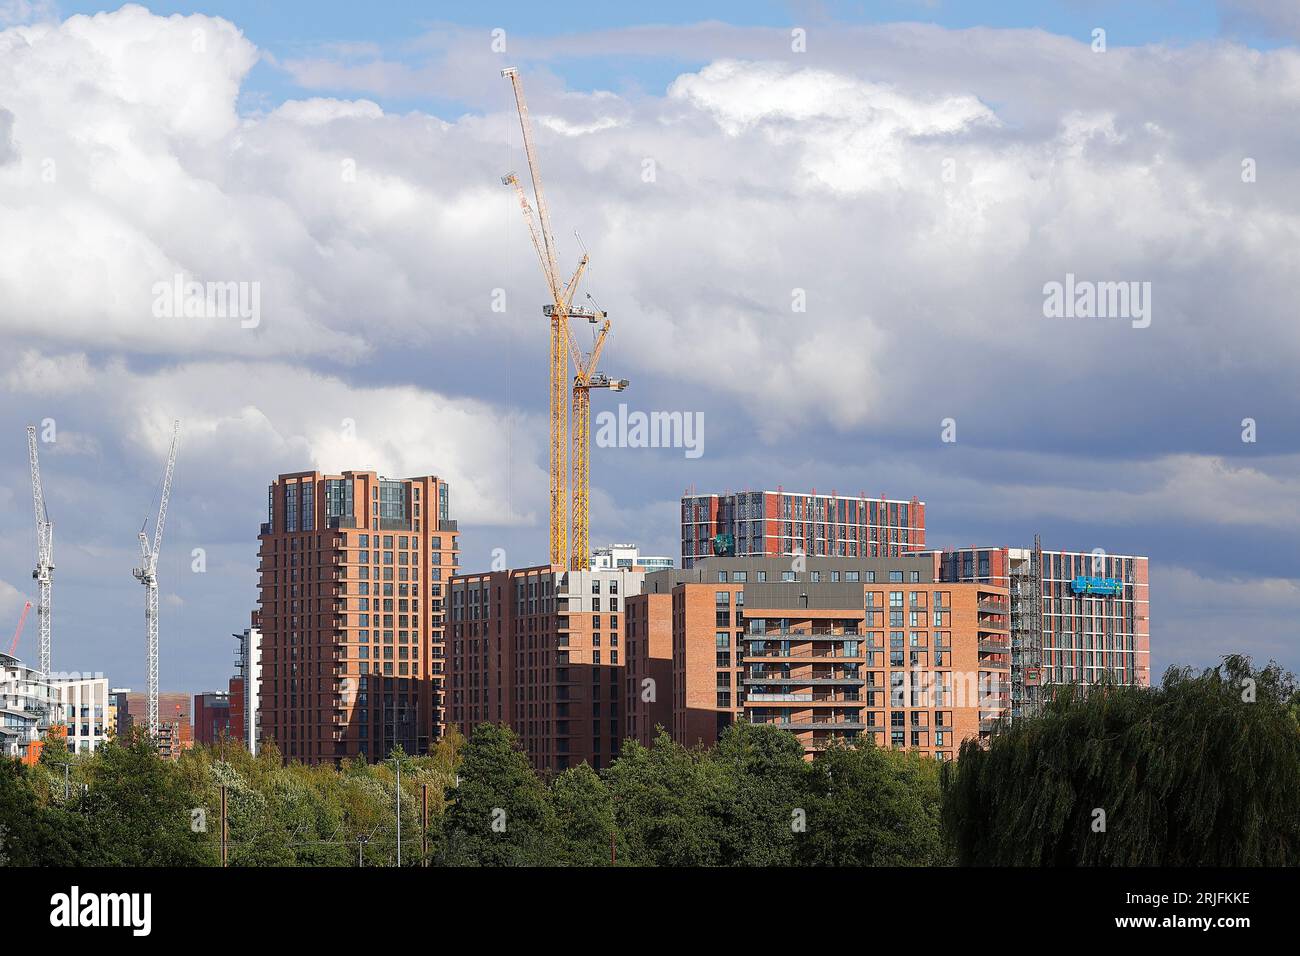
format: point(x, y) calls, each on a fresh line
point(1086, 585)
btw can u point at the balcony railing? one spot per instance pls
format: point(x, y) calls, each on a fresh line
point(808, 681)
point(822, 743)
point(814, 723)
point(848, 698)
point(837, 652)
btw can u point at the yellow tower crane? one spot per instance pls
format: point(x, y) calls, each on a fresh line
point(584, 381)
point(563, 350)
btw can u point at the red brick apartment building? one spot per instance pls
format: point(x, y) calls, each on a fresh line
point(353, 570)
point(649, 679)
point(858, 649)
point(542, 650)
point(213, 718)
point(1076, 615)
point(776, 523)
point(175, 732)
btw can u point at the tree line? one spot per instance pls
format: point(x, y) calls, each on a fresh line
point(1204, 769)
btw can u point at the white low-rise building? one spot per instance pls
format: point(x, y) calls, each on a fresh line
point(625, 557)
point(29, 703)
point(84, 711)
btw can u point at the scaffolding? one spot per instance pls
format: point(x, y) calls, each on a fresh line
point(1027, 677)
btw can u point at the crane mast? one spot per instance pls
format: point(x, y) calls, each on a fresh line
point(584, 381)
point(147, 574)
point(559, 378)
point(570, 548)
point(44, 571)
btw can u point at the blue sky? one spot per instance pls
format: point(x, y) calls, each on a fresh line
point(126, 158)
point(286, 30)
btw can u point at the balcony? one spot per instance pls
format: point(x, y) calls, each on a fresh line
point(774, 653)
point(994, 607)
point(806, 681)
point(822, 743)
point(994, 647)
point(811, 631)
point(814, 723)
point(851, 697)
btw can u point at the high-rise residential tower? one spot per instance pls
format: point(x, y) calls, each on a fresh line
point(1076, 616)
point(353, 571)
point(543, 650)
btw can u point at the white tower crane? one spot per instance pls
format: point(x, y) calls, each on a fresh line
point(147, 574)
point(44, 573)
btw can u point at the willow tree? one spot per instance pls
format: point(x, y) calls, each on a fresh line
point(1203, 770)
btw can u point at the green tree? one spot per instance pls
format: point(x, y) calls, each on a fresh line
point(32, 834)
point(259, 833)
point(873, 807)
point(1202, 771)
point(669, 802)
point(770, 783)
point(54, 749)
point(585, 828)
point(138, 812)
point(499, 813)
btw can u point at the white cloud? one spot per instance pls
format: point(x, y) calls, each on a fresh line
point(370, 232)
point(317, 111)
point(25, 11)
point(240, 421)
point(11, 606)
point(30, 371)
